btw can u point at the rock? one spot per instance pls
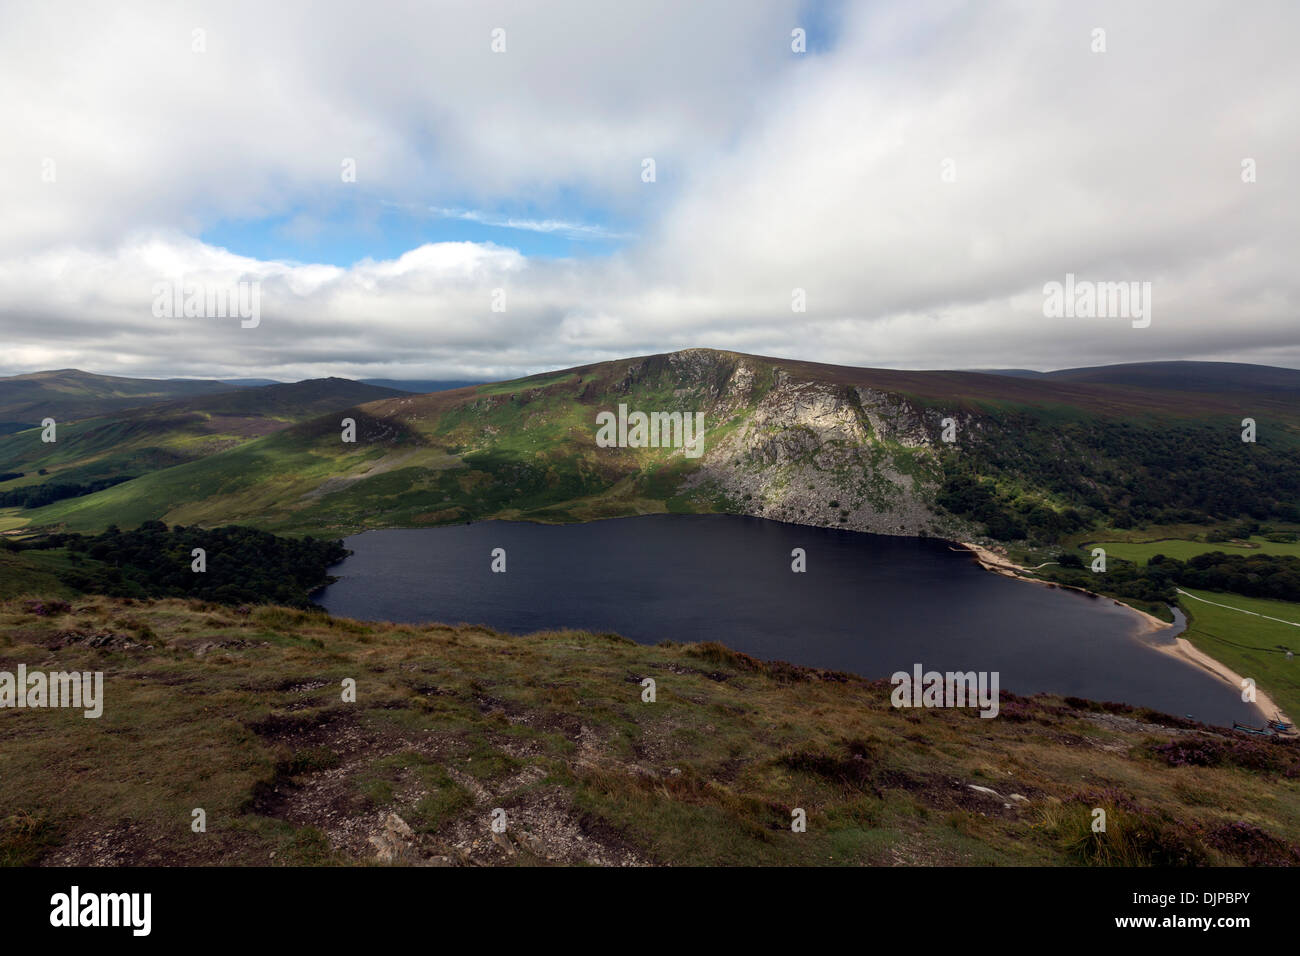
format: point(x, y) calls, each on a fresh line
point(503, 840)
point(799, 445)
point(531, 844)
point(395, 842)
point(398, 827)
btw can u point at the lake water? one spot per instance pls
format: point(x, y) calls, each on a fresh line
point(867, 604)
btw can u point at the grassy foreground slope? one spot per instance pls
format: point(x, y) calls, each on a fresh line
point(240, 714)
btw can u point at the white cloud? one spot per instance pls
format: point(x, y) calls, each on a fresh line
point(821, 172)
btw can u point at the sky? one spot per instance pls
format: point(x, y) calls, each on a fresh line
point(409, 202)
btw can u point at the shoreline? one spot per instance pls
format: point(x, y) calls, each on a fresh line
point(990, 560)
point(1185, 650)
point(1180, 649)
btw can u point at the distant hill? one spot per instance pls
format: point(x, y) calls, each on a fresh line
point(1032, 457)
point(420, 386)
point(1212, 377)
point(294, 400)
point(69, 394)
point(1187, 376)
point(417, 386)
point(138, 441)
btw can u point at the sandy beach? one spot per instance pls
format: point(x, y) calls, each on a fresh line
point(992, 561)
point(1180, 647)
point(1186, 650)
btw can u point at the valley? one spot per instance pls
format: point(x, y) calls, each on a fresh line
point(456, 718)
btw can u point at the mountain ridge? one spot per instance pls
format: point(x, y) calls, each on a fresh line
point(146, 438)
point(69, 394)
point(834, 446)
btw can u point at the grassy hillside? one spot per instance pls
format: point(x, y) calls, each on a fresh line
point(508, 449)
point(68, 394)
point(1190, 377)
point(37, 572)
point(795, 441)
point(143, 441)
point(242, 715)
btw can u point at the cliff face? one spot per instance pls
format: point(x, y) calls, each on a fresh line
point(811, 452)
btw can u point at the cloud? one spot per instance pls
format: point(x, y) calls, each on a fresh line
point(920, 182)
point(569, 230)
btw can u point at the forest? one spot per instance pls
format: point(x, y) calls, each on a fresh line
point(34, 496)
point(1255, 575)
point(1024, 481)
point(242, 565)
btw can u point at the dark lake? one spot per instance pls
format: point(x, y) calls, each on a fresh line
point(868, 604)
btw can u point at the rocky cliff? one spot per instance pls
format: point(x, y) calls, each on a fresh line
point(810, 452)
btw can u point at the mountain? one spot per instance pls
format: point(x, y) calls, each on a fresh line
point(421, 386)
point(862, 449)
point(293, 401)
point(1187, 376)
point(418, 386)
point(450, 713)
point(139, 441)
point(1198, 377)
point(68, 394)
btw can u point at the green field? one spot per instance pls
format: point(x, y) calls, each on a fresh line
point(1182, 549)
point(1250, 645)
point(11, 519)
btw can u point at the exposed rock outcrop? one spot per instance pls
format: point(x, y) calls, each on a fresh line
point(817, 453)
